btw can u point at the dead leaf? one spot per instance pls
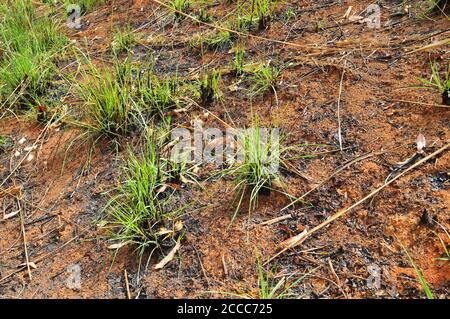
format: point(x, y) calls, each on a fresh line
point(31, 264)
point(119, 245)
point(169, 256)
point(184, 180)
point(178, 225)
point(163, 231)
point(354, 18)
point(277, 183)
point(347, 13)
point(30, 148)
point(162, 189)
point(7, 216)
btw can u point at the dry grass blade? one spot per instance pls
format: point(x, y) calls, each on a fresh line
point(430, 46)
point(422, 103)
point(339, 107)
point(22, 228)
point(127, 285)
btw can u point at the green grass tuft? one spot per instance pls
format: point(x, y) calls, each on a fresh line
point(29, 46)
point(142, 205)
point(209, 87)
point(124, 40)
point(180, 6)
point(438, 83)
point(265, 79)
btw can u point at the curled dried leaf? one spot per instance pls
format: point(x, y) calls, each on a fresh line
point(118, 245)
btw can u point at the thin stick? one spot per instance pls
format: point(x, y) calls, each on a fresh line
point(22, 227)
point(201, 265)
point(339, 106)
point(422, 103)
point(275, 220)
point(430, 46)
point(127, 284)
point(297, 240)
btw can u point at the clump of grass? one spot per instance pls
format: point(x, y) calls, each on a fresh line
point(265, 79)
point(261, 156)
point(209, 87)
point(218, 40)
point(108, 99)
point(124, 39)
point(157, 95)
point(204, 16)
point(263, 9)
point(238, 61)
point(258, 169)
point(180, 6)
point(3, 143)
point(141, 207)
point(432, 6)
point(254, 14)
point(438, 83)
point(119, 100)
point(29, 44)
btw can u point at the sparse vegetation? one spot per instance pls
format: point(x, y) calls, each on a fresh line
point(269, 286)
point(85, 5)
point(124, 39)
point(263, 9)
point(258, 169)
point(29, 44)
point(204, 16)
point(218, 40)
point(180, 6)
point(438, 83)
point(432, 6)
point(140, 209)
point(446, 253)
point(238, 61)
point(265, 79)
point(3, 143)
point(209, 87)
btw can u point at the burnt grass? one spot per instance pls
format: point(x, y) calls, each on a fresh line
point(63, 208)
